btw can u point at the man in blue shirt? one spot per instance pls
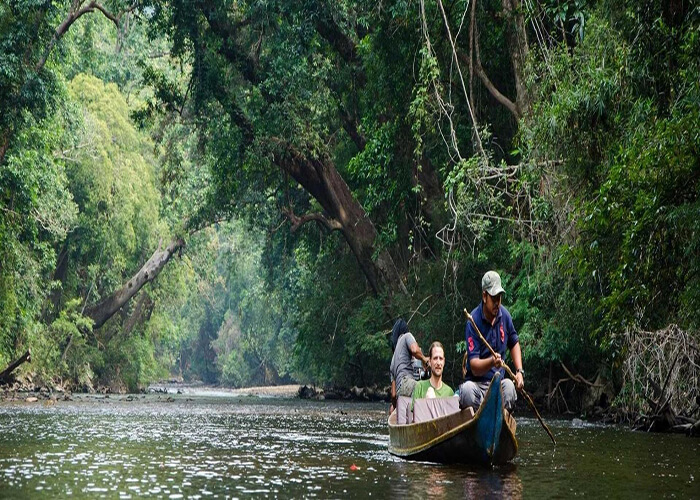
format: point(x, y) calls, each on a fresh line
point(495, 323)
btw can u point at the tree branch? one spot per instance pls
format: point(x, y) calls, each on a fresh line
point(350, 125)
point(342, 44)
point(334, 35)
point(228, 33)
point(297, 222)
point(510, 105)
point(76, 11)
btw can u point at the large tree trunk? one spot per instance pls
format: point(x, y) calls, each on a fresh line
point(519, 49)
point(104, 310)
point(343, 212)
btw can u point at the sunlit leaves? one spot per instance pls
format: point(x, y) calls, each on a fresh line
point(113, 178)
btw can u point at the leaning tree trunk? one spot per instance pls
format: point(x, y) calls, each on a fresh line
point(101, 312)
point(343, 213)
point(318, 177)
point(5, 374)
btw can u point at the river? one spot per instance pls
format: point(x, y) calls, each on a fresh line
point(225, 446)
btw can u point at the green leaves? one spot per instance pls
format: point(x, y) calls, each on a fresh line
point(631, 166)
point(568, 15)
point(64, 351)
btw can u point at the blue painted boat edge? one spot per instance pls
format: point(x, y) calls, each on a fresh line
point(488, 429)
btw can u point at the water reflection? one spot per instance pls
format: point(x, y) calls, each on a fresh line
point(423, 480)
point(501, 482)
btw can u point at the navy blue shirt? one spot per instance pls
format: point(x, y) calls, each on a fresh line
point(500, 335)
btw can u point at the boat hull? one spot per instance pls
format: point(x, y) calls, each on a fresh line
point(487, 437)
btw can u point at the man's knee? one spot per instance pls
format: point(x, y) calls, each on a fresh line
point(406, 387)
point(469, 395)
point(510, 396)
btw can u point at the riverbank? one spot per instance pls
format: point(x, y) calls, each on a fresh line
point(372, 393)
point(31, 394)
point(36, 394)
point(270, 391)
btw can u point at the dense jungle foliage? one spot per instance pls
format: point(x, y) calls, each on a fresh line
point(306, 172)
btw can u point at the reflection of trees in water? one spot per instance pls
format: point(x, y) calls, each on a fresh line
point(435, 482)
point(422, 480)
point(501, 482)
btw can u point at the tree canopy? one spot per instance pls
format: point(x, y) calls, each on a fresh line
point(246, 192)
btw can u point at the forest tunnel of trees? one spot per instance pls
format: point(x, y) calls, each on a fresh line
point(246, 192)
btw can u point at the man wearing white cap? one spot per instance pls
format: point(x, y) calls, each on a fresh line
point(495, 323)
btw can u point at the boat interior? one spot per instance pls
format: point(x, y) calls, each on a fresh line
point(426, 409)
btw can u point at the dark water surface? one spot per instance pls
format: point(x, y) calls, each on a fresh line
point(227, 447)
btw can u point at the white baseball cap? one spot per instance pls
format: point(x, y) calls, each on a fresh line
point(491, 284)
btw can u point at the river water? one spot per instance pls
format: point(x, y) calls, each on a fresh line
point(188, 446)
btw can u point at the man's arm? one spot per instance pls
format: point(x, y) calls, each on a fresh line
point(480, 367)
point(417, 353)
point(417, 393)
point(517, 356)
point(393, 396)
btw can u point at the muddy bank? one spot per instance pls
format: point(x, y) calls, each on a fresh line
point(199, 389)
point(372, 393)
point(25, 390)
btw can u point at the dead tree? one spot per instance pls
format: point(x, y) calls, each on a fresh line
point(101, 312)
point(5, 376)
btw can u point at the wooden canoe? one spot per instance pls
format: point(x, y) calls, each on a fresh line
point(486, 437)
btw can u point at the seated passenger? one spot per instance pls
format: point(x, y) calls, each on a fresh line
point(434, 387)
point(405, 349)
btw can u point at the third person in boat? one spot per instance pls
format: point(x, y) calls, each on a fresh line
point(405, 349)
point(495, 323)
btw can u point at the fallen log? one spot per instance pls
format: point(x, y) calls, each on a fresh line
point(5, 375)
point(695, 429)
point(101, 312)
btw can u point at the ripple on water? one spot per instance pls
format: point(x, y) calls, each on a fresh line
point(199, 448)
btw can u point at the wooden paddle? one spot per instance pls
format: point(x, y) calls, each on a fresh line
point(528, 398)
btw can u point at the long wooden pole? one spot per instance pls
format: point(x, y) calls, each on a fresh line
point(528, 398)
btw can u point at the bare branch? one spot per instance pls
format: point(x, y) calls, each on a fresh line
point(510, 105)
point(76, 11)
point(297, 222)
point(418, 308)
point(652, 356)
